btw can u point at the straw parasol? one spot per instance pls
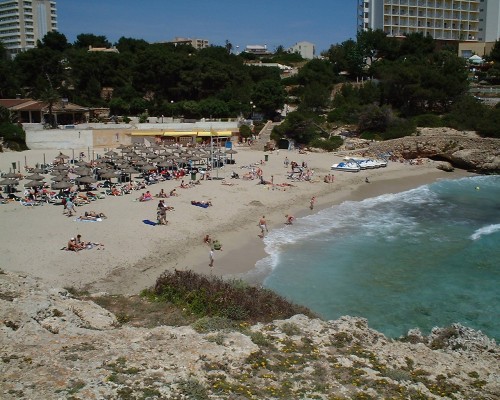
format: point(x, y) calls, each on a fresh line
point(60, 178)
point(12, 175)
point(61, 167)
point(86, 179)
point(38, 171)
point(82, 171)
point(34, 184)
point(109, 175)
point(35, 177)
point(62, 185)
point(111, 153)
point(231, 152)
point(9, 182)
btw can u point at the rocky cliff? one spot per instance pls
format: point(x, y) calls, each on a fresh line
point(54, 346)
point(463, 150)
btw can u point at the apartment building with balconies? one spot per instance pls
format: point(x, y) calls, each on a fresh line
point(23, 22)
point(473, 21)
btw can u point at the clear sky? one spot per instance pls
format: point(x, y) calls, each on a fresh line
point(270, 22)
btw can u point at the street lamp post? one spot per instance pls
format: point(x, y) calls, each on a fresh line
point(172, 105)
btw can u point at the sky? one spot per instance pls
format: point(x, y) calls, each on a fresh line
point(252, 22)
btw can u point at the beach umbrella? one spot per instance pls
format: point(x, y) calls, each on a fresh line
point(86, 179)
point(130, 170)
point(82, 164)
point(83, 171)
point(122, 146)
point(38, 171)
point(61, 167)
point(12, 175)
point(231, 152)
point(148, 167)
point(62, 185)
point(9, 182)
point(34, 184)
point(62, 156)
point(165, 163)
point(35, 177)
point(60, 178)
point(109, 175)
point(111, 153)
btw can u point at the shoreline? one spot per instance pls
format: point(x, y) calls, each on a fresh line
point(136, 254)
point(253, 251)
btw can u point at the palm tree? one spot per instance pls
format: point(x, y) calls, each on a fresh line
point(50, 96)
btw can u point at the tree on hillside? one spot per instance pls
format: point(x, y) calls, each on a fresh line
point(54, 41)
point(495, 52)
point(8, 82)
point(301, 126)
point(131, 45)
point(416, 44)
point(268, 96)
point(84, 40)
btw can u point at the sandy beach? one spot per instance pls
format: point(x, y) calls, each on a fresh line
point(135, 253)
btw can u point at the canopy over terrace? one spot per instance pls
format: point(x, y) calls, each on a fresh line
point(180, 137)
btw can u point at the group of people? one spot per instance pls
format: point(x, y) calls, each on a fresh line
point(145, 196)
point(329, 178)
point(77, 244)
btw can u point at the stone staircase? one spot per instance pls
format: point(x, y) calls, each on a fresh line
point(264, 136)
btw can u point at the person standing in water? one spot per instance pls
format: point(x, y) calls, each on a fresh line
point(263, 226)
point(311, 203)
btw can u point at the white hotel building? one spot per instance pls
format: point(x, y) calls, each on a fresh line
point(475, 24)
point(23, 22)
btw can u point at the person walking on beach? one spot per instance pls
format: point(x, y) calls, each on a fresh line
point(211, 258)
point(263, 226)
point(70, 208)
point(311, 203)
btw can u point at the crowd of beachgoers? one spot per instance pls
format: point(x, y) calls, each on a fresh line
point(126, 191)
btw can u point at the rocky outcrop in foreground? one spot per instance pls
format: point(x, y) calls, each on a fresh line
point(463, 150)
point(54, 346)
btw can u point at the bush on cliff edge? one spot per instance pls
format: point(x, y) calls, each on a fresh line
point(211, 296)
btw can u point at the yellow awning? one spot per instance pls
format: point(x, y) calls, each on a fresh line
point(178, 133)
point(146, 133)
point(216, 134)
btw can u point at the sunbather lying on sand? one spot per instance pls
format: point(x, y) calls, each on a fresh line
point(92, 215)
point(201, 203)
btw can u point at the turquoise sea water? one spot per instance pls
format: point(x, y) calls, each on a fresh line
point(422, 258)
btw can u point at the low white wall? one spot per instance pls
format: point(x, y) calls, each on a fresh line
point(59, 139)
point(109, 135)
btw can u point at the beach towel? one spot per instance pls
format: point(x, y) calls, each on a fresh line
point(200, 205)
point(88, 220)
point(29, 203)
point(149, 222)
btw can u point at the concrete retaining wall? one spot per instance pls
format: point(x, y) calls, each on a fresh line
point(59, 139)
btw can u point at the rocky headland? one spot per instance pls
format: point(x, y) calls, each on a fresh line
point(56, 346)
point(464, 150)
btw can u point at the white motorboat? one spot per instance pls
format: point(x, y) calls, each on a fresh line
point(349, 166)
point(368, 163)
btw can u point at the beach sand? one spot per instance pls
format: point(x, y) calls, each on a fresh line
point(135, 253)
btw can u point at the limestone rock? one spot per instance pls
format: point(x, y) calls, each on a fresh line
point(53, 346)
